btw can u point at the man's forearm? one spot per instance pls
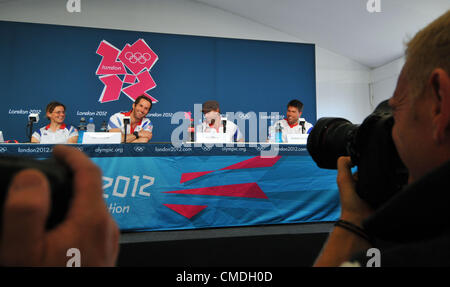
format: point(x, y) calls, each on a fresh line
point(130, 138)
point(140, 140)
point(143, 137)
point(341, 245)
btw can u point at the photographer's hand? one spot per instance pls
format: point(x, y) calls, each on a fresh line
point(88, 225)
point(353, 208)
point(342, 243)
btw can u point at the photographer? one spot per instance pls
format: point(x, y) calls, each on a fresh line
point(412, 228)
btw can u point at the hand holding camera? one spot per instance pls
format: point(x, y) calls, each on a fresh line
point(381, 173)
point(53, 206)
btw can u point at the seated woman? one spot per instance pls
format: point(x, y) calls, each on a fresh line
point(57, 132)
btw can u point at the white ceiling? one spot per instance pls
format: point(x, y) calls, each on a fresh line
point(343, 26)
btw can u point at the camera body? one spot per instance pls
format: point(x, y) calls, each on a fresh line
point(59, 177)
point(381, 173)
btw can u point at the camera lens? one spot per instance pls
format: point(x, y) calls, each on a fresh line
point(329, 139)
point(381, 172)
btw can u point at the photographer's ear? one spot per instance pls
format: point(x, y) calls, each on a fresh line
point(440, 86)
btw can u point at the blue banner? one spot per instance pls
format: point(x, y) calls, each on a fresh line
point(147, 193)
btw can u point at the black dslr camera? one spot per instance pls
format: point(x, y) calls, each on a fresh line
point(381, 173)
point(59, 177)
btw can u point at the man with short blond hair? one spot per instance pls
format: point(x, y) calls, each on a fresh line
point(412, 228)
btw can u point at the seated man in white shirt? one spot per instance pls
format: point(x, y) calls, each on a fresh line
point(214, 123)
point(56, 132)
point(140, 128)
point(292, 124)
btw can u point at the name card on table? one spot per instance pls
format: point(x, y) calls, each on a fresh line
point(297, 138)
point(102, 138)
point(211, 138)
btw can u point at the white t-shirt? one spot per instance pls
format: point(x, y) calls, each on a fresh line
point(232, 130)
point(46, 136)
point(116, 122)
point(286, 128)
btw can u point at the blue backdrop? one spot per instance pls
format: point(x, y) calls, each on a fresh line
point(41, 63)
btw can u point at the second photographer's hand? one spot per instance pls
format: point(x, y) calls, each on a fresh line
point(342, 243)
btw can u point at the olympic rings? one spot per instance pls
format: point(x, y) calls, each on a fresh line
point(139, 149)
point(137, 57)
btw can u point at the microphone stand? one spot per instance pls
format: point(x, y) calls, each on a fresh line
point(30, 131)
point(125, 136)
point(126, 122)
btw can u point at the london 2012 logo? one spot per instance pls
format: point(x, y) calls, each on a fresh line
point(126, 71)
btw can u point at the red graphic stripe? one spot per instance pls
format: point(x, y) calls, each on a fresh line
point(250, 190)
point(254, 162)
point(193, 175)
point(187, 211)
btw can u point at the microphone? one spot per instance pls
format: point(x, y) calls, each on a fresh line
point(224, 123)
point(32, 118)
point(126, 122)
point(302, 123)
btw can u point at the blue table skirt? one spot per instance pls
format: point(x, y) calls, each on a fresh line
point(158, 187)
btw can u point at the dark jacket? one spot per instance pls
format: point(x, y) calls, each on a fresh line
point(413, 228)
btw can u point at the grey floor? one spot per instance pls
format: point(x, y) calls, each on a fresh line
point(286, 245)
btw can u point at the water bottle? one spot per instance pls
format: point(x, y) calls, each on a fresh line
point(81, 130)
point(278, 134)
point(91, 125)
point(104, 127)
point(271, 132)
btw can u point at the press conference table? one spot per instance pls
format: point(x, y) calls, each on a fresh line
point(157, 186)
